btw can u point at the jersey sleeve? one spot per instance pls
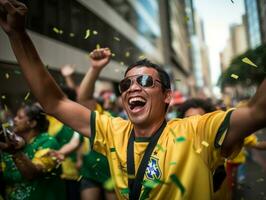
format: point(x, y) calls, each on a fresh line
point(210, 132)
point(107, 131)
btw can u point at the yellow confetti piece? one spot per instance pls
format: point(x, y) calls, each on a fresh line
point(71, 34)
point(116, 38)
point(61, 32)
point(94, 32)
point(234, 76)
point(79, 178)
point(5, 107)
point(109, 184)
point(249, 62)
point(3, 97)
point(198, 150)
point(27, 96)
point(98, 46)
point(113, 54)
point(127, 54)
point(56, 30)
point(7, 75)
point(204, 143)
point(88, 32)
point(142, 57)
point(5, 125)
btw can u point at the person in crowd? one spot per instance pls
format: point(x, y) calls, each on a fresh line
point(181, 154)
point(29, 171)
point(69, 142)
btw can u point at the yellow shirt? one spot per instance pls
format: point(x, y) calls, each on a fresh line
point(185, 156)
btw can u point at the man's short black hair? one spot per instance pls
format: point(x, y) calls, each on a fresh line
point(205, 105)
point(163, 76)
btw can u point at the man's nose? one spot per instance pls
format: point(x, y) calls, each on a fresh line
point(134, 86)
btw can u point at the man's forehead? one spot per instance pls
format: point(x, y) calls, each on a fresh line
point(140, 70)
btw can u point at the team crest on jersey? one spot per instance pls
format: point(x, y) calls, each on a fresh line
point(153, 170)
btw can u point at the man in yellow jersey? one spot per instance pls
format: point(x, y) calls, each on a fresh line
point(148, 157)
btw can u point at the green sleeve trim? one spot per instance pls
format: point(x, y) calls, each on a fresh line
point(222, 130)
point(93, 129)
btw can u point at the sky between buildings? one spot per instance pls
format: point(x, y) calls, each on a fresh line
point(218, 15)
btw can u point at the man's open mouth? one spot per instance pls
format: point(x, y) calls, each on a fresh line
point(136, 102)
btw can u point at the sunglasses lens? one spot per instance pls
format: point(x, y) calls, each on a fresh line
point(124, 85)
point(145, 81)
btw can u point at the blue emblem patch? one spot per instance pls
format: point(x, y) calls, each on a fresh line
point(153, 170)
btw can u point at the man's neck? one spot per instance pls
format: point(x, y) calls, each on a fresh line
point(147, 131)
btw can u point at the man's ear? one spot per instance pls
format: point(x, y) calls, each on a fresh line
point(168, 96)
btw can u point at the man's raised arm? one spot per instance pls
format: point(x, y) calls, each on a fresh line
point(43, 86)
point(246, 120)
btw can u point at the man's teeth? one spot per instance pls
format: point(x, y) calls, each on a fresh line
point(132, 100)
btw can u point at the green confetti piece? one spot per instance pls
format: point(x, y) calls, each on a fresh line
point(113, 54)
point(17, 72)
point(124, 191)
point(56, 30)
point(160, 148)
point(98, 46)
point(150, 184)
point(112, 149)
point(95, 32)
point(27, 96)
point(109, 184)
point(3, 96)
point(88, 32)
point(61, 32)
point(234, 76)
point(98, 159)
point(71, 34)
point(79, 178)
point(249, 62)
point(173, 163)
point(117, 39)
point(7, 75)
point(178, 183)
point(180, 139)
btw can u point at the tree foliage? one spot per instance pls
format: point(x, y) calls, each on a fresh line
point(247, 75)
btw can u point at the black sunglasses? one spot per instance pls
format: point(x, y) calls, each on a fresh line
point(142, 80)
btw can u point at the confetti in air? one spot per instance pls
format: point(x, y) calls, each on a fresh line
point(88, 32)
point(198, 150)
point(3, 97)
point(204, 143)
point(27, 96)
point(113, 54)
point(234, 76)
point(249, 62)
point(117, 39)
point(71, 34)
point(141, 57)
point(56, 30)
point(95, 32)
point(98, 46)
point(127, 54)
point(7, 75)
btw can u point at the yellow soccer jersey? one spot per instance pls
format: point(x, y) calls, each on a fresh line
point(181, 164)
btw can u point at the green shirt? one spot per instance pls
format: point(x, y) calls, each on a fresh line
point(46, 187)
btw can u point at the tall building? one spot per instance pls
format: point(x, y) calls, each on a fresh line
point(252, 8)
point(64, 31)
point(236, 44)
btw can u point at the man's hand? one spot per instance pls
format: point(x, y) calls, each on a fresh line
point(12, 16)
point(67, 70)
point(100, 58)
